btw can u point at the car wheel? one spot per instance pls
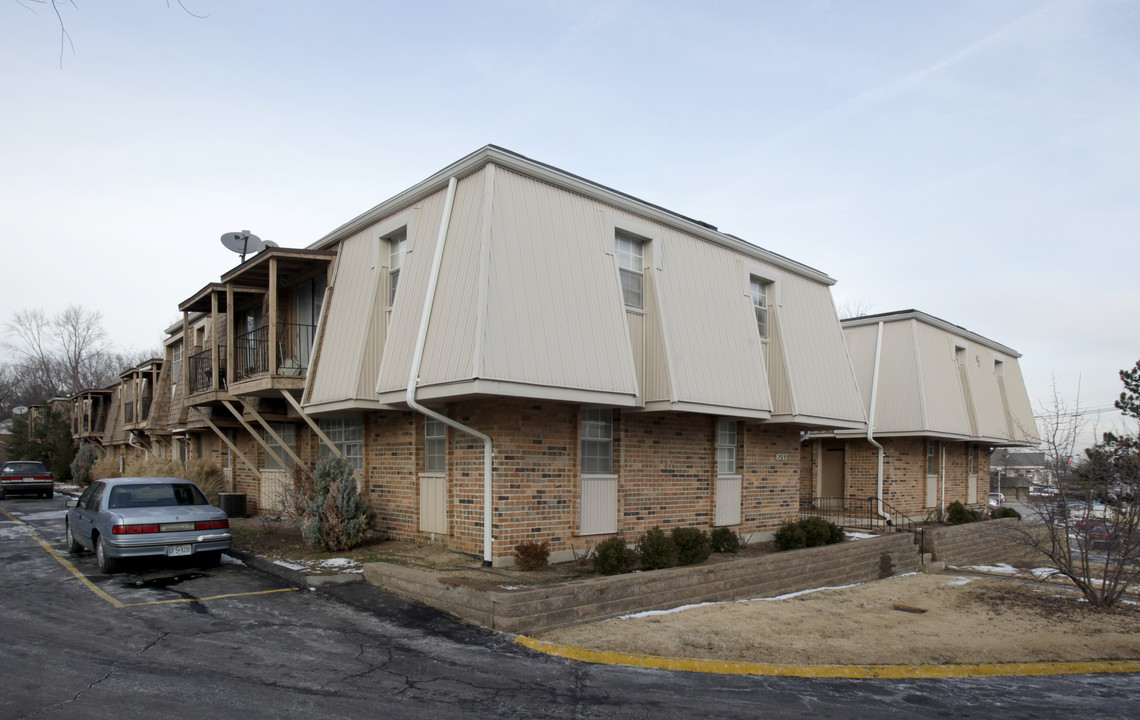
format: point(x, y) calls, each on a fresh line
point(107, 564)
point(73, 546)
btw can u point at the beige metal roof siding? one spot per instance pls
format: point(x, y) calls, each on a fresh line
point(861, 347)
point(985, 392)
point(354, 295)
point(554, 313)
point(710, 326)
point(449, 348)
point(941, 385)
point(1020, 408)
point(823, 384)
point(899, 406)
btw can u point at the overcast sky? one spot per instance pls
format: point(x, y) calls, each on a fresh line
point(976, 160)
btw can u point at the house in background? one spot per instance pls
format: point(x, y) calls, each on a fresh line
point(938, 398)
point(1019, 473)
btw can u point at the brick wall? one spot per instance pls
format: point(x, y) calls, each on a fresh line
point(666, 464)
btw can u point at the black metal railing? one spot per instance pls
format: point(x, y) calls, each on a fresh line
point(863, 513)
point(294, 345)
point(201, 366)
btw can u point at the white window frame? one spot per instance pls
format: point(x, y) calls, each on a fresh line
point(759, 289)
point(435, 446)
point(597, 434)
point(347, 433)
point(726, 436)
point(630, 252)
point(397, 250)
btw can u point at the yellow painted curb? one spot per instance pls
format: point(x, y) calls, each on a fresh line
point(830, 671)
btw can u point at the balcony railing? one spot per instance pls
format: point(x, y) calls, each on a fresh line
point(294, 345)
point(201, 370)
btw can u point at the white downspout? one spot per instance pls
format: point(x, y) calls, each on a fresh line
point(417, 360)
point(871, 420)
point(134, 443)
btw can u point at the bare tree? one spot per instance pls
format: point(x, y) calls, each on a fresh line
point(57, 355)
point(853, 308)
point(1095, 546)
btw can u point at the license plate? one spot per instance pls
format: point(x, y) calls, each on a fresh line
point(176, 550)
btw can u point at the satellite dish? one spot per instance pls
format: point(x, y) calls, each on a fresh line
point(242, 242)
point(270, 243)
point(19, 410)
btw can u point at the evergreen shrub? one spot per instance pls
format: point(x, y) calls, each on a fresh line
point(656, 549)
point(1005, 512)
point(612, 556)
point(336, 517)
point(724, 540)
point(808, 532)
point(693, 545)
point(959, 514)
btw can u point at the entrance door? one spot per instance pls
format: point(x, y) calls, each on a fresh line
point(832, 469)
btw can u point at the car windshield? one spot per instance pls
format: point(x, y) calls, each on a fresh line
point(24, 467)
point(156, 495)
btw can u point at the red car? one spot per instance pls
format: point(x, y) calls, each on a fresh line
point(23, 477)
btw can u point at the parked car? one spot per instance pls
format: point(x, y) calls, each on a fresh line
point(23, 477)
point(146, 517)
point(996, 499)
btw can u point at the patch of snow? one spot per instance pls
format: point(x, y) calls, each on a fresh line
point(227, 560)
point(50, 515)
point(960, 581)
point(512, 587)
point(288, 565)
point(1043, 573)
point(999, 569)
point(804, 592)
point(858, 535)
point(339, 563)
point(683, 608)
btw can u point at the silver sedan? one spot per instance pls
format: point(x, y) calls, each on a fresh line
point(139, 517)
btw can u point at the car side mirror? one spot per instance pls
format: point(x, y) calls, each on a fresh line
point(73, 502)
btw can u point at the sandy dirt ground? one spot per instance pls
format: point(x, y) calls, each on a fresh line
point(914, 619)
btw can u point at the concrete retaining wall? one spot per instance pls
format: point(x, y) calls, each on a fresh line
point(541, 608)
point(981, 543)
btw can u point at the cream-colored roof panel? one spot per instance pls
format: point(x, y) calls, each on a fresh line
point(554, 313)
point(712, 344)
point(823, 383)
point(986, 393)
point(861, 344)
point(943, 395)
point(899, 406)
point(354, 290)
point(1020, 408)
point(403, 321)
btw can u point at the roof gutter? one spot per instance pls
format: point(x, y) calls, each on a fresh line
point(417, 361)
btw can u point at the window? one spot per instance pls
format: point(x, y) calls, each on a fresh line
point(726, 447)
point(931, 457)
point(435, 446)
point(176, 361)
point(288, 433)
point(630, 263)
point(759, 290)
point(970, 455)
point(397, 246)
point(597, 442)
point(347, 433)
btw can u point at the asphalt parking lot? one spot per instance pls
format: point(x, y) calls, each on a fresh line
point(174, 640)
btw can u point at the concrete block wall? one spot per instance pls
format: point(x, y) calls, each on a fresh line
point(982, 543)
point(541, 608)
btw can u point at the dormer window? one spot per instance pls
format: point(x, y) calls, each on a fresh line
point(759, 291)
point(630, 264)
point(397, 245)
